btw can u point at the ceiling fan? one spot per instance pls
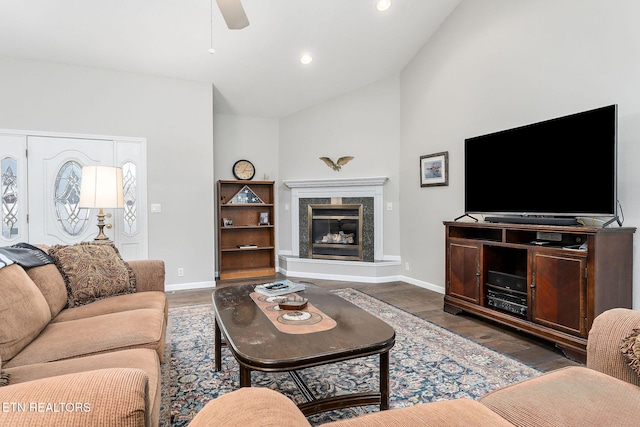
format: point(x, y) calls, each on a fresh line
point(233, 14)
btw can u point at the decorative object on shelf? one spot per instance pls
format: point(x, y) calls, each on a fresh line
point(227, 222)
point(337, 165)
point(264, 218)
point(246, 197)
point(434, 169)
point(244, 169)
point(101, 187)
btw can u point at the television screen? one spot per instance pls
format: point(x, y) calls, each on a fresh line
point(560, 167)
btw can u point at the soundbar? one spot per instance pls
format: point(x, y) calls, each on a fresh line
point(533, 220)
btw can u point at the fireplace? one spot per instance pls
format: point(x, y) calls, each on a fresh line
point(335, 231)
point(367, 192)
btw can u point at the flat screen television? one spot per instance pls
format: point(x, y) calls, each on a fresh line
point(563, 167)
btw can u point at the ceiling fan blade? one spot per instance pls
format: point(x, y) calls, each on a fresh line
point(233, 14)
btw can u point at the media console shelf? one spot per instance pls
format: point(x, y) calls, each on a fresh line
point(549, 281)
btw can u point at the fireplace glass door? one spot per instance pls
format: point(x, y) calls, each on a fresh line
point(335, 232)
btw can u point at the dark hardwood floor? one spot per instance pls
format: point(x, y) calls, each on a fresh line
point(427, 305)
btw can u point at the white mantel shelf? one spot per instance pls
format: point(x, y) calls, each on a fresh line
point(337, 182)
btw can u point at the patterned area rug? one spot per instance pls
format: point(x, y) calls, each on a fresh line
point(427, 363)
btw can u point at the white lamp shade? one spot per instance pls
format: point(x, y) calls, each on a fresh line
point(101, 187)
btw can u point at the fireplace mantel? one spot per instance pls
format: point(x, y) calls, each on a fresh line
point(338, 182)
point(339, 187)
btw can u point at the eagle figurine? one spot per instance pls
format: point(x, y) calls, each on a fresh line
point(337, 165)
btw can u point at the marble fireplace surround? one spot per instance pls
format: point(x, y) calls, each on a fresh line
point(348, 188)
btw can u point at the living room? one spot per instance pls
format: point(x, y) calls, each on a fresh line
point(491, 65)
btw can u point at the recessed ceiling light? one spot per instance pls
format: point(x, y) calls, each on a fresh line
point(383, 5)
point(306, 59)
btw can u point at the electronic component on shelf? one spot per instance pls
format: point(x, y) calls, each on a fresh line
point(509, 281)
point(507, 301)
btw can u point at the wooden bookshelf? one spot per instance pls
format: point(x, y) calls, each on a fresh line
point(246, 244)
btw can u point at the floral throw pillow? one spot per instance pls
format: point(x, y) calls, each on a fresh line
point(92, 271)
point(631, 349)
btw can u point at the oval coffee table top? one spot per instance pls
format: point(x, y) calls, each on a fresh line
point(258, 344)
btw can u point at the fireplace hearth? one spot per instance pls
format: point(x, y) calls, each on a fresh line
point(335, 231)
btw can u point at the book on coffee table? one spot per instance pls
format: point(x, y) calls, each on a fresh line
point(280, 287)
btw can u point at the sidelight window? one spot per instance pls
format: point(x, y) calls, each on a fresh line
point(130, 184)
point(9, 167)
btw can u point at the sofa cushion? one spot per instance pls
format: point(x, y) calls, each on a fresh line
point(24, 312)
point(154, 300)
point(631, 349)
point(575, 396)
point(141, 358)
point(92, 271)
point(143, 328)
point(101, 397)
point(50, 282)
point(250, 406)
point(451, 413)
point(603, 345)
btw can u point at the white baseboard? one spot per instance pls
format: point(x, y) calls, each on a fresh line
point(366, 279)
point(340, 277)
point(426, 285)
point(321, 276)
point(186, 286)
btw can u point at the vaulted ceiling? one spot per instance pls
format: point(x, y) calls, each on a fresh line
point(256, 70)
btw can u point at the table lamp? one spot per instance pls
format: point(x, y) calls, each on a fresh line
point(101, 187)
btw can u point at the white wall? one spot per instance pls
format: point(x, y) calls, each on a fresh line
point(497, 64)
point(252, 138)
point(243, 137)
point(364, 124)
point(175, 116)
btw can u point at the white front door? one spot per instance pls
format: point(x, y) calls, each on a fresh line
point(53, 170)
point(55, 173)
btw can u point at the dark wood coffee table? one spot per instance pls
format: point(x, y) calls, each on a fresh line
point(258, 345)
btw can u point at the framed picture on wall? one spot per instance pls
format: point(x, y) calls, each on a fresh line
point(434, 169)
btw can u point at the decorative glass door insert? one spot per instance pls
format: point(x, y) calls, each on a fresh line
point(72, 219)
point(9, 167)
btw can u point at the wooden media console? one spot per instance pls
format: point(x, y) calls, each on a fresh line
point(549, 281)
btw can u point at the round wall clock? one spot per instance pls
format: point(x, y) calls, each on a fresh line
point(244, 169)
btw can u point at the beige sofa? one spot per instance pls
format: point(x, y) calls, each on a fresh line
point(96, 364)
point(604, 393)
